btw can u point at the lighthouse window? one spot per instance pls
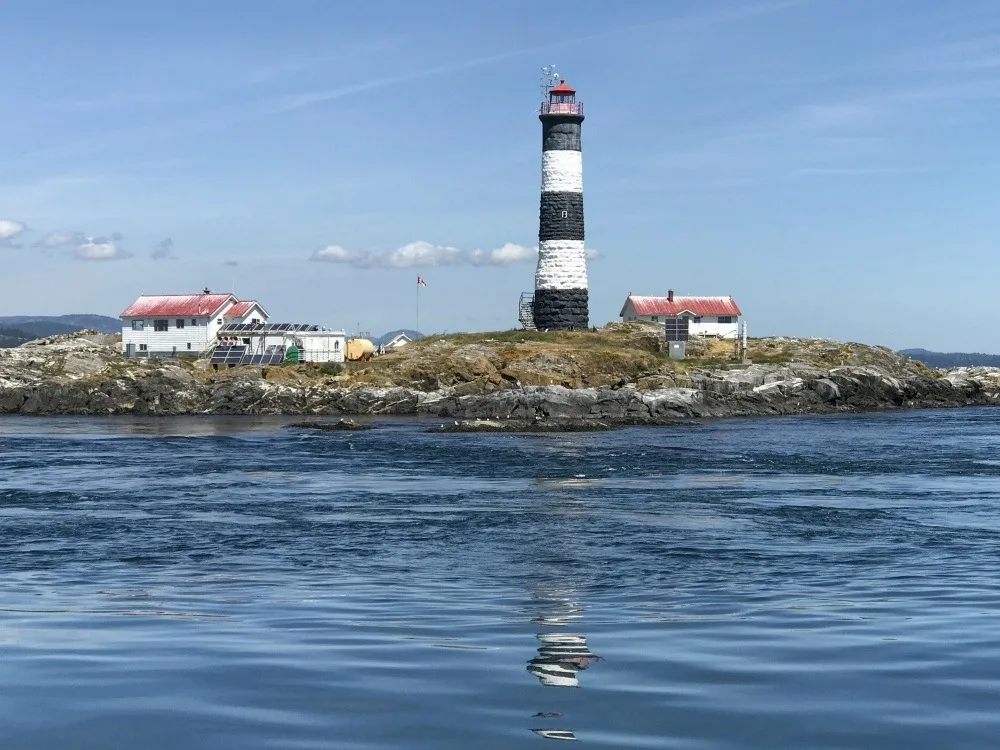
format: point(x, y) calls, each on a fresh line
point(565, 214)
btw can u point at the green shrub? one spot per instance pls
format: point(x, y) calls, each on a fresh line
point(331, 368)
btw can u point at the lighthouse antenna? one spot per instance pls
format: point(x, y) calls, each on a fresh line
point(549, 78)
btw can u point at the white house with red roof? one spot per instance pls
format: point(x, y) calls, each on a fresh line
point(707, 316)
point(158, 325)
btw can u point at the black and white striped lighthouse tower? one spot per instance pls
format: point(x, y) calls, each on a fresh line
point(561, 297)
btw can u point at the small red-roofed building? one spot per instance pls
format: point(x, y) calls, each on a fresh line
point(707, 316)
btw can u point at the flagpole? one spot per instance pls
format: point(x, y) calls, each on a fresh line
point(418, 305)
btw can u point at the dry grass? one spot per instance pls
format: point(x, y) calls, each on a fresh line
point(616, 354)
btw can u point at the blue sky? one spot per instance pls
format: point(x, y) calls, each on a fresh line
point(832, 164)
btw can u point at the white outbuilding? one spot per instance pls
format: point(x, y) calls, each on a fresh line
point(707, 316)
point(400, 339)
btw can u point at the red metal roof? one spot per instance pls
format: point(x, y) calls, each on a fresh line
point(176, 305)
point(693, 305)
point(562, 89)
point(240, 309)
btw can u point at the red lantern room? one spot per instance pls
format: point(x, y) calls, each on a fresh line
point(562, 101)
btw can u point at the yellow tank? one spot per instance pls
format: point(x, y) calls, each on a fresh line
point(359, 350)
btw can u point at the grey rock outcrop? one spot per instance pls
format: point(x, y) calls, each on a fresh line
point(82, 376)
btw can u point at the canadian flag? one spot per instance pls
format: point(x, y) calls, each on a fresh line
point(421, 282)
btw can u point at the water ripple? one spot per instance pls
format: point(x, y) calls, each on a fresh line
point(226, 582)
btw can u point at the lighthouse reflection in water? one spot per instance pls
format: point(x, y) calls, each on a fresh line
point(561, 655)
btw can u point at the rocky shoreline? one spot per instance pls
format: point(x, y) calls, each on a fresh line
point(85, 376)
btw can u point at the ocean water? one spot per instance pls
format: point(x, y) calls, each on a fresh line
point(805, 582)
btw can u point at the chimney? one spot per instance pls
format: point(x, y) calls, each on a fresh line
point(670, 295)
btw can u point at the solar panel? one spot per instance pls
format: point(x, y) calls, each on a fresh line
point(219, 354)
point(264, 328)
point(676, 329)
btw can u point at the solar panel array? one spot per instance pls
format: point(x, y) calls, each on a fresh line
point(263, 359)
point(228, 355)
point(238, 355)
point(267, 328)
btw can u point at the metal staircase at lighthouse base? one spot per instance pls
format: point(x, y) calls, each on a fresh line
point(526, 311)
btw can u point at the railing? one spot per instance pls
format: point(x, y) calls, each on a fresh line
point(561, 108)
point(526, 311)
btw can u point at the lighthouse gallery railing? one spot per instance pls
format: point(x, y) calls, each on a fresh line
point(561, 108)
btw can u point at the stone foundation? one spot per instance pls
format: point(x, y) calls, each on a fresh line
point(561, 309)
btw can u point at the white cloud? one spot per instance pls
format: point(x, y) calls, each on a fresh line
point(101, 248)
point(84, 247)
point(9, 229)
point(424, 254)
point(164, 250)
point(504, 256)
point(62, 239)
point(333, 254)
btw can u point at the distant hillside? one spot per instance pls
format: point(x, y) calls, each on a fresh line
point(49, 325)
point(11, 337)
point(386, 338)
point(952, 359)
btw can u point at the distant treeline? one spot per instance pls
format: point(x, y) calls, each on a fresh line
point(952, 359)
point(11, 337)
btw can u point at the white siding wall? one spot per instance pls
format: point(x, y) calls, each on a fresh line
point(214, 324)
point(163, 342)
point(255, 312)
point(709, 325)
point(321, 346)
point(712, 327)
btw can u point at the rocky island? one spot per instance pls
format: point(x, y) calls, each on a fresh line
point(617, 375)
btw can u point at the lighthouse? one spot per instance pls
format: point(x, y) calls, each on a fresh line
point(561, 298)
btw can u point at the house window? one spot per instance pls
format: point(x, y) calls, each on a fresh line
point(219, 321)
point(194, 321)
point(565, 215)
point(138, 325)
point(161, 325)
point(142, 347)
point(696, 319)
point(725, 319)
point(189, 346)
point(180, 322)
point(655, 318)
point(255, 320)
